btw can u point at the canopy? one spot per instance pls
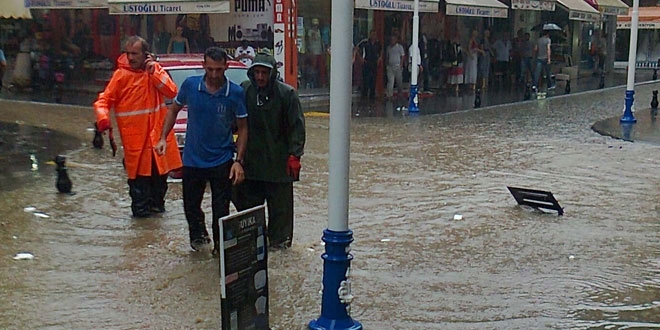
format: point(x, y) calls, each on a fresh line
point(14, 9)
point(477, 8)
point(612, 7)
point(66, 4)
point(144, 7)
point(429, 6)
point(579, 10)
point(649, 19)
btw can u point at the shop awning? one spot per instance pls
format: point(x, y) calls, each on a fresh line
point(66, 4)
point(428, 6)
point(477, 8)
point(612, 7)
point(649, 19)
point(146, 7)
point(579, 10)
point(544, 5)
point(14, 9)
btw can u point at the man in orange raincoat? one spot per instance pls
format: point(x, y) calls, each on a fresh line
point(136, 91)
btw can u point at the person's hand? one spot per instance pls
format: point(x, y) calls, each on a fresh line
point(236, 173)
point(161, 147)
point(103, 125)
point(150, 64)
point(548, 60)
point(293, 167)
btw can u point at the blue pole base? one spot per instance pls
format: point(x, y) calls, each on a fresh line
point(413, 104)
point(628, 116)
point(335, 304)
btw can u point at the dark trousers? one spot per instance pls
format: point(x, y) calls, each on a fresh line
point(279, 198)
point(147, 193)
point(369, 81)
point(194, 185)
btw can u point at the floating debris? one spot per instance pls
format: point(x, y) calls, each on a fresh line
point(29, 209)
point(24, 256)
point(458, 217)
point(571, 257)
point(385, 240)
point(41, 215)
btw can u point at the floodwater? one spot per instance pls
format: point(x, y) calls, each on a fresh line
point(415, 267)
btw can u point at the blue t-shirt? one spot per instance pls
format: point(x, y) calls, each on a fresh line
point(209, 139)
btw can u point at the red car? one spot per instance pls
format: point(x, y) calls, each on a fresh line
point(182, 66)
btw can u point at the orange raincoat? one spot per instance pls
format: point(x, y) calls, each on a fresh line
point(138, 101)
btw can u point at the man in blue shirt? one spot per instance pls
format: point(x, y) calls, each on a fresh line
point(214, 104)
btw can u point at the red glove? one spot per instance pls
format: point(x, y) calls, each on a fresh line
point(103, 125)
point(293, 167)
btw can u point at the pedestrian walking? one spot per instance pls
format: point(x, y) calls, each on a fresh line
point(214, 105)
point(473, 52)
point(485, 58)
point(276, 141)
point(395, 60)
point(526, 54)
point(137, 92)
point(371, 55)
point(502, 50)
point(543, 58)
point(454, 62)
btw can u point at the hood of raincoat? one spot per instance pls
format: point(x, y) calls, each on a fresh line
point(265, 60)
point(122, 63)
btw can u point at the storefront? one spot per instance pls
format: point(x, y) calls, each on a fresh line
point(578, 20)
point(648, 37)
point(609, 10)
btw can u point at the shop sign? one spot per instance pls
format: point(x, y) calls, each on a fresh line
point(640, 25)
point(544, 5)
point(583, 16)
point(397, 5)
point(613, 10)
point(147, 7)
point(65, 4)
point(476, 11)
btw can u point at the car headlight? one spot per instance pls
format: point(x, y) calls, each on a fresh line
point(180, 139)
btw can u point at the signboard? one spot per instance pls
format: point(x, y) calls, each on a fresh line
point(167, 7)
point(65, 4)
point(397, 5)
point(243, 270)
point(605, 10)
point(583, 16)
point(641, 25)
point(544, 5)
point(476, 11)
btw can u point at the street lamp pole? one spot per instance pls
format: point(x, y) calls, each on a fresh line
point(628, 116)
point(336, 292)
point(413, 105)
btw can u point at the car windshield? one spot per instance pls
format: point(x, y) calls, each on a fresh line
point(236, 75)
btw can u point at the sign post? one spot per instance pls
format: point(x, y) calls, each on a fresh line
point(244, 270)
point(413, 105)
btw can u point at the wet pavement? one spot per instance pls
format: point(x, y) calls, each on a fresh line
point(500, 267)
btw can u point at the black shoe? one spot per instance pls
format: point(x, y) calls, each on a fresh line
point(199, 243)
point(157, 209)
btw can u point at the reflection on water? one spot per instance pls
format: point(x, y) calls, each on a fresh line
point(415, 267)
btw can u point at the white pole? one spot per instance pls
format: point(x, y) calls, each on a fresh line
point(413, 104)
point(632, 52)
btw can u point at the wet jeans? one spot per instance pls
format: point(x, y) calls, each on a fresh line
point(545, 66)
point(194, 185)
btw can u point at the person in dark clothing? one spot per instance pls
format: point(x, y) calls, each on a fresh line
point(276, 141)
point(370, 51)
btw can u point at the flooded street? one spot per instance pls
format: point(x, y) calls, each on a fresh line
point(415, 267)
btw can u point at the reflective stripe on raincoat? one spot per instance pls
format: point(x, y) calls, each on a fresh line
point(137, 98)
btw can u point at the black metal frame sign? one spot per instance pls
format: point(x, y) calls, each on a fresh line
point(244, 270)
point(537, 199)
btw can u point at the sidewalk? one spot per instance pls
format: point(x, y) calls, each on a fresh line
point(84, 93)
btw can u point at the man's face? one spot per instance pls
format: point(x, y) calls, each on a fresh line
point(215, 71)
point(262, 76)
point(136, 55)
